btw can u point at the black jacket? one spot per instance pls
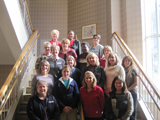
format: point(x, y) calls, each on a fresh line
point(36, 109)
point(77, 47)
point(99, 74)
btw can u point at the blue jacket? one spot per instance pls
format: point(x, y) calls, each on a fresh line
point(36, 109)
point(64, 96)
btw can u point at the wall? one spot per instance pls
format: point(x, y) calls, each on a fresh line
point(85, 12)
point(4, 71)
point(47, 15)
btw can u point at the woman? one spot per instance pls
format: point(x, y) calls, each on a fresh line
point(131, 81)
point(112, 70)
point(104, 60)
point(119, 104)
point(43, 75)
point(55, 36)
point(92, 97)
point(67, 94)
point(97, 48)
point(42, 106)
point(75, 73)
point(66, 51)
point(74, 44)
point(93, 66)
point(56, 63)
point(47, 54)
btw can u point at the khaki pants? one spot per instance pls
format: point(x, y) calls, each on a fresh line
point(71, 115)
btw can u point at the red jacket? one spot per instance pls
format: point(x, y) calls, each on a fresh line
point(102, 62)
point(70, 52)
point(57, 43)
point(93, 102)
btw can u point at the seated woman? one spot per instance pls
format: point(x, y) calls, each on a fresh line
point(42, 106)
point(67, 94)
point(82, 57)
point(119, 104)
point(93, 66)
point(66, 51)
point(74, 44)
point(43, 75)
point(104, 60)
point(97, 48)
point(75, 73)
point(112, 70)
point(47, 54)
point(92, 97)
point(56, 63)
point(55, 36)
point(131, 81)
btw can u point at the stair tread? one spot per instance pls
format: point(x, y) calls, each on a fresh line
point(22, 112)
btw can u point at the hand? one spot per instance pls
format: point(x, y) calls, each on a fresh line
point(67, 109)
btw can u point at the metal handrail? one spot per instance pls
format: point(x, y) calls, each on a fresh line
point(144, 79)
point(16, 71)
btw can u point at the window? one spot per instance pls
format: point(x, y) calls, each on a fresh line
point(151, 13)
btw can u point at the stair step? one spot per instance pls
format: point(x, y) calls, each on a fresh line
point(22, 115)
point(30, 83)
point(26, 97)
point(23, 106)
point(28, 90)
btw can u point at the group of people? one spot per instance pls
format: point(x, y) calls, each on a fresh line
point(69, 73)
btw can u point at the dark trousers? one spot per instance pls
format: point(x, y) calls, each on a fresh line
point(133, 116)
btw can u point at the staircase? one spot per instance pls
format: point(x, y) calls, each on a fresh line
point(21, 113)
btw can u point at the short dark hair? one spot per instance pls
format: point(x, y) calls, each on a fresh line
point(85, 43)
point(124, 88)
point(99, 36)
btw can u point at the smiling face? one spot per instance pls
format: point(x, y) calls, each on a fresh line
point(127, 63)
point(42, 89)
point(107, 52)
point(47, 49)
point(54, 36)
point(112, 60)
point(70, 62)
point(118, 85)
point(65, 73)
point(70, 35)
point(55, 51)
point(65, 45)
point(44, 68)
point(92, 60)
point(89, 79)
point(96, 40)
point(84, 48)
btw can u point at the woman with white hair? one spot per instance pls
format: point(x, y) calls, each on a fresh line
point(42, 106)
point(55, 36)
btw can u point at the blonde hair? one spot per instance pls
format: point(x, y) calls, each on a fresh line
point(117, 61)
point(94, 79)
point(46, 43)
point(55, 47)
point(65, 40)
point(71, 57)
point(55, 31)
point(44, 61)
point(66, 66)
point(92, 55)
point(107, 47)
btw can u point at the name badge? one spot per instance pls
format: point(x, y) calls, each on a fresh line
point(58, 62)
point(50, 101)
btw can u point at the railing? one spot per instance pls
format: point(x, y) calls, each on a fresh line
point(9, 93)
point(26, 17)
point(147, 93)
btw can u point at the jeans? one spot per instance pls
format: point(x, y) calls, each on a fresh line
point(133, 116)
